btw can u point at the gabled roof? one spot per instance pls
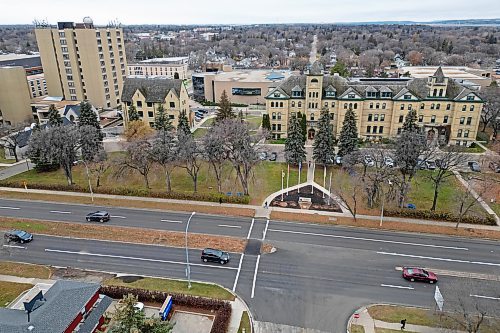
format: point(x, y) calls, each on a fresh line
point(350, 90)
point(330, 88)
point(153, 89)
point(385, 89)
point(75, 108)
point(403, 92)
point(316, 69)
point(464, 93)
point(439, 75)
point(371, 89)
point(297, 88)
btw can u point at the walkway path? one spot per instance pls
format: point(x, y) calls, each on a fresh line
point(15, 169)
point(369, 324)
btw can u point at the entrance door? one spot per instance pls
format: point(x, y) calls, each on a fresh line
point(310, 134)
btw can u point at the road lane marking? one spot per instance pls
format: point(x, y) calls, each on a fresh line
point(171, 221)
point(238, 274)
point(470, 275)
point(82, 253)
point(15, 246)
point(13, 208)
point(60, 212)
point(486, 297)
point(398, 287)
point(119, 217)
point(255, 275)
point(440, 259)
point(265, 230)
point(370, 239)
point(250, 231)
point(229, 226)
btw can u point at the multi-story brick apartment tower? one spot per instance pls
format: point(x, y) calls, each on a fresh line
point(448, 111)
point(83, 62)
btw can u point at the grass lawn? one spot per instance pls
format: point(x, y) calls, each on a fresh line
point(254, 122)
point(276, 142)
point(266, 179)
point(25, 270)
point(357, 329)
point(175, 286)
point(10, 290)
point(3, 159)
point(200, 132)
point(245, 323)
point(386, 330)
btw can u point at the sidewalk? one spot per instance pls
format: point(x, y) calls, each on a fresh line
point(369, 324)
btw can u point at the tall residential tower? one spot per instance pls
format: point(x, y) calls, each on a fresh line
point(82, 62)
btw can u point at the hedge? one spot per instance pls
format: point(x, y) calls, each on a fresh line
point(222, 309)
point(440, 216)
point(128, 191)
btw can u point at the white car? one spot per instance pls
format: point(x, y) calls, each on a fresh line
point(139, 306)
point(368, 160)
point(388, 162)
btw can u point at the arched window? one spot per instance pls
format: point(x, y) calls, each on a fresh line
point(293, 104)
point(472, 107)
point(432, 106)
point(312, 116)
point(422, 106)
point(281, 104)
point(377, 106)
point(274, 116)
point(314, 81)
point(383, 105)
point(440, 92)
point(350, 106)
point(355, 106)
point(299, 104)
point(272, 104)
point(345, 106)
point(279, 115)
point(371, 105)
point(435, 92)
point(409, 106)
point(438, 106)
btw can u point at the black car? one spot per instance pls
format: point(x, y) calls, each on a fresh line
point(215, 256)
point(273, 157)
point(18, 236)
point(99, 216)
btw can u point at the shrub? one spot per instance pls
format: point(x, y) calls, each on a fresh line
point(129, 191)
point(438, 216)
point(222, 309)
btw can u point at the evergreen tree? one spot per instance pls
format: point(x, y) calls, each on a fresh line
point(54, 116)
point(294, 144)
point(266, 122)
point(410, 124)
point(303, 125)
point(340, 68)
point(89, 118)
point(225, 109)
point(162, 121)
point(324, 141)
point(348, 140)
point(183, 124)
point(133, 115)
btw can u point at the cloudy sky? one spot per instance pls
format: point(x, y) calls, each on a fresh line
point(244, 12)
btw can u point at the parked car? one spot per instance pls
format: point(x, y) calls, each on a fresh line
point(474, 166)
point(495, 166)
point(368, 161)
point(215, 255)
point(419, 274)
point(274, 156)
point(18, 236)
point(263, 156)
point(421, 164)
point(439, 163)
point(338, 160)
point(388, 162)
point(99, 216)
point(139, 306)
point(431, 165)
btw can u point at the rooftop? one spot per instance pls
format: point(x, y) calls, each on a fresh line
point(453, 72)
point(24, 60)
point(165, 60)
point(249, 75)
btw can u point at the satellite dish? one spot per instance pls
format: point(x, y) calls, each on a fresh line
point(87, 20)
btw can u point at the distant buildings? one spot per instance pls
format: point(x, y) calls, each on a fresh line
point(472, 77)
point(82, 62)
point(14, 96)
point(146, 94)
point(241, 86)
point(448, 111)
point(173, 68)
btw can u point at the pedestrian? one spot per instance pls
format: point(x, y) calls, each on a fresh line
point(403, 324)
point(265, 204)
point(220, 200)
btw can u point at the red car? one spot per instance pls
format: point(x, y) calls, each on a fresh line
point(419, 274)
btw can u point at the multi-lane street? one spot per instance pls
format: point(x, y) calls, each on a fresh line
point(317, 277)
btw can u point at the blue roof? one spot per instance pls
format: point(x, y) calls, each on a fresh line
point(275, 76)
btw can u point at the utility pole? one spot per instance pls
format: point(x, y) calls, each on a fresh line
point(188, 269)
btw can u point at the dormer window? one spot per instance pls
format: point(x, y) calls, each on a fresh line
point(470, 97)
point(330, 94)
point(371, 94)
point(386, 95)
point(276, 94)
point(407, 97)
point(351, 96)
point(296, 93)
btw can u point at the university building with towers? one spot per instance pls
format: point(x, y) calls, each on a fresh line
point(448, 112)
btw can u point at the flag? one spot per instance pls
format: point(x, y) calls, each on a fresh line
point(300, 166)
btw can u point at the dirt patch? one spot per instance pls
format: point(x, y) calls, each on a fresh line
point(129, 279)
point(124, 234)
point(203, 209)
point(80, 275)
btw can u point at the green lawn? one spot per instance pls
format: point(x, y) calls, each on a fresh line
point(276, 142)
point(357, 329)
point(175, 286)
point(3, 159)
point(200, 132)
point(245, 323)
point(265, 180)
point(254, 122)
point(24, 270)
point(10, 290)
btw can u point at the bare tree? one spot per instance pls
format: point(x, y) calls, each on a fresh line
point(215, 152)
point(470, 197)
point(99, 164)
point(164, 153)
point(348, 188)
point(189, 156)
point(138, 158)
point(491, 108)
point(11, 137)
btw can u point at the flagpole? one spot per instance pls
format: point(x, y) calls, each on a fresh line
point(300, 170)
point(324, 178)
point(282, 176)
point(287, 178)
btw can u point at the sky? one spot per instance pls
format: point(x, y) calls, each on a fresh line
point(243, 12)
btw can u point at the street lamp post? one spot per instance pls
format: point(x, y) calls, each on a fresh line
point(383, 202)
point(88, 178)
point(188, 270)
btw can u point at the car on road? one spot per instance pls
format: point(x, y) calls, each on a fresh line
point(99, 216)
point(263, 156)
point(388, 162)
point(18, 236)
point(274, 156)
point(419, 274)
point(474, 166)
point(494, 166)
point(431, 165)
point(368, 161)
point(215, 255)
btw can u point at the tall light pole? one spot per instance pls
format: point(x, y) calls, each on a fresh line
point(188, 270)
point(383, 201)
point(88, 178)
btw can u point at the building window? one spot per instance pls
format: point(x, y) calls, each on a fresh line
point(381, 129)
point(141, 114)
point(332, 115)
point(355, 106)
point(401, 118)
point(172, 104)
point(377, 106)
point(440, 92)
point(464, 108)
point(171, 116)
point(273, 127)
point(371, 105)
point(139, 104)
point(466, 133)
point(272, 104)
point(462, 120)
point(402, 106)
point(469, 120)
point(433, 106)
point(448, 107)
point(345, 106)
point(299, 104)
point(333, 104)
point(422, 106)
point(368, 129)
point(293, 104)
point(370, 117)
point(375, 117)
point(420, 118)
point(374, 129)
point(407, 96)
point(470, 98)
point(433, 119)
point(281, 104)
point(279, 115)
point(312, 116)
point(445, 120)
point(326, 104)
point(274, 116)
point(472, 107)
point(150, 114)
point(399, 130)
point(409, 107)
point(279, 127)
point(382, 117)
point(383, 106)
point(438, 106)
point(459, 133)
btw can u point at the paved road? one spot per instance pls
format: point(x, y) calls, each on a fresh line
point(316, 279)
